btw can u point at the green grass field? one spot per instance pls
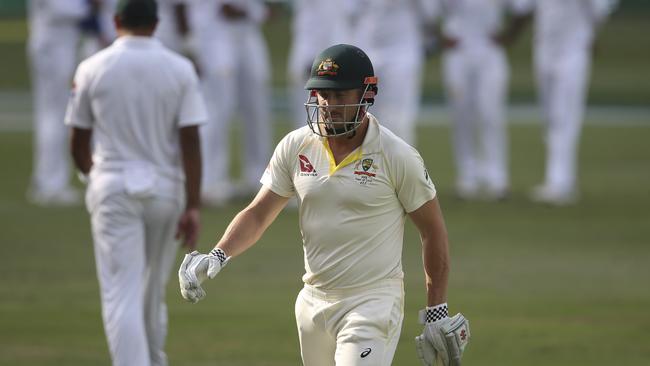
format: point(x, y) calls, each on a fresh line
point(541, 285)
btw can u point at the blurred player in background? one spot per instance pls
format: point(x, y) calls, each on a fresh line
point(55, 30)
point(476, 73)
point(565, 32)
point(391, 32)
point(235, 71)
point(98, 30)
point(144, 175)
point(175, 25)
point(356, 182)
point(309, 37)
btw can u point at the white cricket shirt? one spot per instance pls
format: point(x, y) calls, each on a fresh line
point(351, 215)
point(568, 25)
point(475, 22)
point(135, 95)
point(388, 28)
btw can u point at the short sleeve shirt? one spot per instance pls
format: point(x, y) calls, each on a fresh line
point(352, 214)
point(135, 95)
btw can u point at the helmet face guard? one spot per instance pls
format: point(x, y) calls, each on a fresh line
point(340, 67)
point(321, 122)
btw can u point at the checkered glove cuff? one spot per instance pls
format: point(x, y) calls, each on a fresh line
point(432, 314)
point(220, 254)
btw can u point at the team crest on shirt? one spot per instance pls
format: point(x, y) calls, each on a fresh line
point(328, 67)
point(306, 167)
point(366, 164)
point(365, 171)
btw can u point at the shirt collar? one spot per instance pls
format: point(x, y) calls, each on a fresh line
point(369, 145)
point(136, 42)
point(371, 142)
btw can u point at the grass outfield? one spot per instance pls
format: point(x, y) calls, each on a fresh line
point(540, 285)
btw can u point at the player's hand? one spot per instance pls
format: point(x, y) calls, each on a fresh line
point(443, 341)
point(448, 43)
point(188, 227)
point(195, 269)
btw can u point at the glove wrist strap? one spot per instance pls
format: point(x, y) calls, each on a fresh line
point(220, 254)
point(432, 314)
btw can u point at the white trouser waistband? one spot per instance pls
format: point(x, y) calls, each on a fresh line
point(337, 294)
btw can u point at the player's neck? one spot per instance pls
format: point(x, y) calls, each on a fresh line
point(343, 145)
point(124, 32)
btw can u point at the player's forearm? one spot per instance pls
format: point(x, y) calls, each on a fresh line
point(244, 231)
point(435, 254)
point(435, 250)
point(80, 149)
point(191, 155)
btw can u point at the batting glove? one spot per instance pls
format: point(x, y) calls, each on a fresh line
point(444, 339)
point(196, 268)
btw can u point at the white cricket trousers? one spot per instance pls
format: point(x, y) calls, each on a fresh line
point(476, 80)
point(353, 327)
point(562, 79)
point(134, 252)
point(53, 57)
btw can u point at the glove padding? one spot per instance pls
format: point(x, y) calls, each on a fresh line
point(443, 341)
point(195, 269)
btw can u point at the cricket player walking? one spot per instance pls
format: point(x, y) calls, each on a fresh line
point(144, 175)
point(356, 182)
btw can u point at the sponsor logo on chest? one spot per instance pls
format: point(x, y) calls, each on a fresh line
point(306, 167)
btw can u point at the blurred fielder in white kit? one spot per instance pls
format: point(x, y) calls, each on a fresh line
point(235, 72)
point(315, 25)
point(356, 183)
point(392, 34)
point(476, 73)
point(175, 26)
point(98, 29)
point(564, 35)
point(141, 104)
point(56, 28)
